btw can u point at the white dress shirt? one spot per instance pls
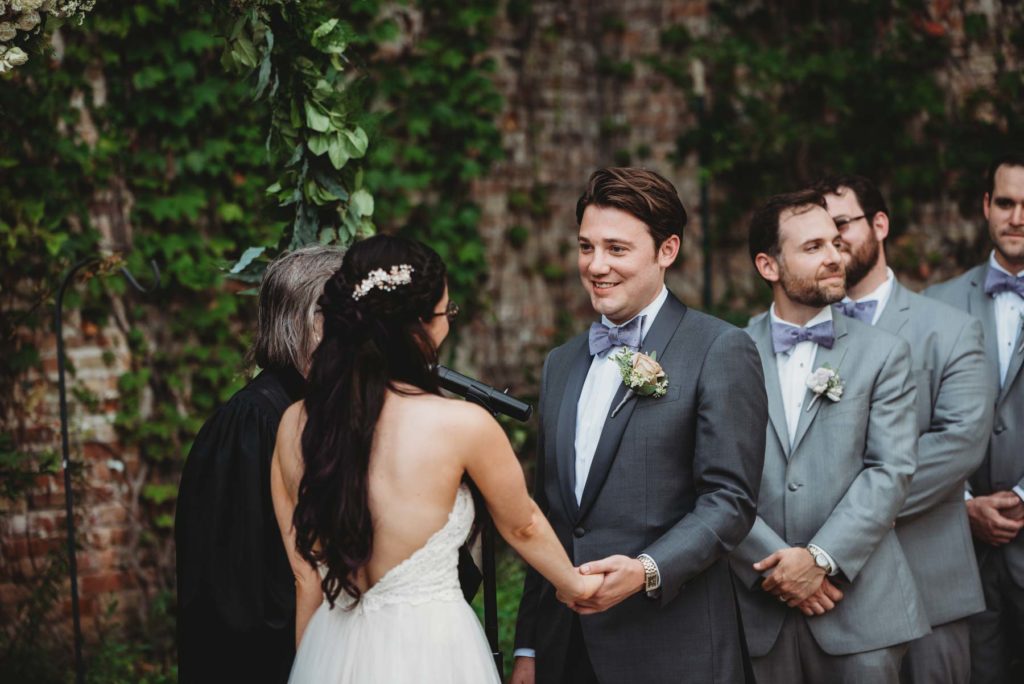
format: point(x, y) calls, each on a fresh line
point(793, 367)
point(1009, 309)
point(880, 295)
point(603, 381)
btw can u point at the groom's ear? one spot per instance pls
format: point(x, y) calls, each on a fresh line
point(668, 251)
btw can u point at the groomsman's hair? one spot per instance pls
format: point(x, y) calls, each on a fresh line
point(868, 196)
point(286, 332)
point(641, 193)
point(1011, 159)
point(764, 224)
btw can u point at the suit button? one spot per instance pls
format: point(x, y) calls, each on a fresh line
point(793, 486)
point(579, 532)
point(999, 429)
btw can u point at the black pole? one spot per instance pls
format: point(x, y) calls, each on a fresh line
point(66, 463)
point(491, 593)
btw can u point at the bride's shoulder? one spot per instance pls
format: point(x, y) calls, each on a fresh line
point(458, 414)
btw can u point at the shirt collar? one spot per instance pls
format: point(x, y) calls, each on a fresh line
point(649, 313)
point(824, 315)
point(992, 263)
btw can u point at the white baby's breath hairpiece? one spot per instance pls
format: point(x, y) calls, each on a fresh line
point(400, 274)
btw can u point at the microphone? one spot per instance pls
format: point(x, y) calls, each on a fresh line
point(484, 395)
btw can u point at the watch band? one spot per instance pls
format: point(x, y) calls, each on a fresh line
point(652, 577)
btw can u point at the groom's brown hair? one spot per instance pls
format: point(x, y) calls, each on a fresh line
point(641, 193)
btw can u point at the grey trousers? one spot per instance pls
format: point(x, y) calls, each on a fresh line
point(796, 658)
point(942, 657)
point(997, 633)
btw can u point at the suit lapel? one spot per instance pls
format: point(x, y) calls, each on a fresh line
point(565, 437)
point(897, 310)
point(981, 306)
point(761, 331)
point(657, 339)
point(1015, 362)
point(834, 358)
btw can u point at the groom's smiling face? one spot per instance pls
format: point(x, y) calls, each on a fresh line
point(620, 266)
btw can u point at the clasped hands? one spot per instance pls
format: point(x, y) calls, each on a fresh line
point(996, 518)
point(797, 581)
point(608, 582)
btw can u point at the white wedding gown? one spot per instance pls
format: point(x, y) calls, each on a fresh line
point(413, 625)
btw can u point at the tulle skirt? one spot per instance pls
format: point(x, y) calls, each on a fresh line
point(436, 642)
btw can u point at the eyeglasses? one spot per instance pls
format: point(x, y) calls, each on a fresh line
point(451, 311)
point(843, 222)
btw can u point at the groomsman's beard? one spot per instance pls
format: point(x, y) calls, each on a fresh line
point(811, 291)
point(860, 261)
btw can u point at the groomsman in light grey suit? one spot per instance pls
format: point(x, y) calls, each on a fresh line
point(993, 292)
point(654, 491)
point(828, 595)
point(954, 419)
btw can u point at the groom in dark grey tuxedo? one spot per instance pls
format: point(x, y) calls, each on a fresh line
point(652, 490)
point(955, 397)
point(827, 592)
point(993, 292)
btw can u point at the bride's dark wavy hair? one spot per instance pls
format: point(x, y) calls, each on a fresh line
point(368, 345)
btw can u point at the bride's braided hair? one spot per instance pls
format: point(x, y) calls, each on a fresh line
point(369, 343)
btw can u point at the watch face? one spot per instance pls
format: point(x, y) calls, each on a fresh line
point(820, 561)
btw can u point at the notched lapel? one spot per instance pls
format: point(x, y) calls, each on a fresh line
point(565, 437)
point(658, 337)
point(762, 335)
point(1015, 362)
point(834, 358)
point(897, 311)
point(981, 306)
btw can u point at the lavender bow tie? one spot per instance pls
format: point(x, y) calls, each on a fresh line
point(785, 336)
point(604, 337)
point(996, 282)
point(862, 311)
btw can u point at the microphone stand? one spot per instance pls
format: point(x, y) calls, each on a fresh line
point(66, 449)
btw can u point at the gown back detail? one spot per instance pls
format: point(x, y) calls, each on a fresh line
point(412, 625)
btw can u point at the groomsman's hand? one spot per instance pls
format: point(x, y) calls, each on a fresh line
point(991, 517)
point(795, 576)
point(524, 671)
point(821, 601)
point(623, 577)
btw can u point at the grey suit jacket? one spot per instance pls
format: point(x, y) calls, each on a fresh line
point(675, 478)
point(840, 487)
point(954, 420)
point(1003, 467)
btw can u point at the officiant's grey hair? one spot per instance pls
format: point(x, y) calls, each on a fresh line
point(287, 329)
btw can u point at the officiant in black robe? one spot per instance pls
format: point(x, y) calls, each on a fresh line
point(236, 591)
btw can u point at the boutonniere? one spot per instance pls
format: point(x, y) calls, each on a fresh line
point(641, 374)
point(825, 381)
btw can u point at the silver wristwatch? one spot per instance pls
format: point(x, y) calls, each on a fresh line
point(652, 578)
point(820, 559)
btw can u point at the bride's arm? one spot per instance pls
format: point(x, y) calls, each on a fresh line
point(490, 461)
point(285, 474)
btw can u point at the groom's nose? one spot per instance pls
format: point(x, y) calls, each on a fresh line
point(598, 263)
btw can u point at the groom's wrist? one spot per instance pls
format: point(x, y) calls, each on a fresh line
point(651, 577)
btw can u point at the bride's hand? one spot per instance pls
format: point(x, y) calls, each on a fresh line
point(584, 587)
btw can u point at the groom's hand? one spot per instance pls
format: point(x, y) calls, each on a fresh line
point(821, 601)
point(623, 577)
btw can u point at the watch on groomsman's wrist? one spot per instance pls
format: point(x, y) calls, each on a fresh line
point(652, 577)
point(821, 559)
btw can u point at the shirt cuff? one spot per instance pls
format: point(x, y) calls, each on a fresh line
point(833, 569)
point(968, 496)
point(653, 593)
point(524, 653)
point(1019, 492)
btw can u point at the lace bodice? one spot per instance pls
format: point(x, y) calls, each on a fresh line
point(431, 573)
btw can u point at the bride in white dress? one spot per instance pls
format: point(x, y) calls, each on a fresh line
point(367, 482)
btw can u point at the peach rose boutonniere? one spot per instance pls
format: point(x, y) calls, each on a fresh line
point(642, 375)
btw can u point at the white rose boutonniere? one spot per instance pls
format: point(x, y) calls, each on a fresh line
point(825, 380)
point(641, 374)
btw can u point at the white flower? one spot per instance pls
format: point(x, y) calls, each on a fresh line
point(17, 5)
point(7, 31)
point(10, 58)
point(825, 381)
point(28, 20)
point(31, 4)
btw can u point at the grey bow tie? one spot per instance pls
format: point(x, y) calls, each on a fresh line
point(862, 311)
point(785, 336)
point(604, 337)
point(996, 281)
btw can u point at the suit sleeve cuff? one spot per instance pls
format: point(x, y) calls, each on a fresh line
point(1019, 492)
point(524, 653)
point(833, 568)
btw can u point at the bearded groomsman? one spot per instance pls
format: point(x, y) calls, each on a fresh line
point(993, 292)
point(827, 593)
point(954, 419)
